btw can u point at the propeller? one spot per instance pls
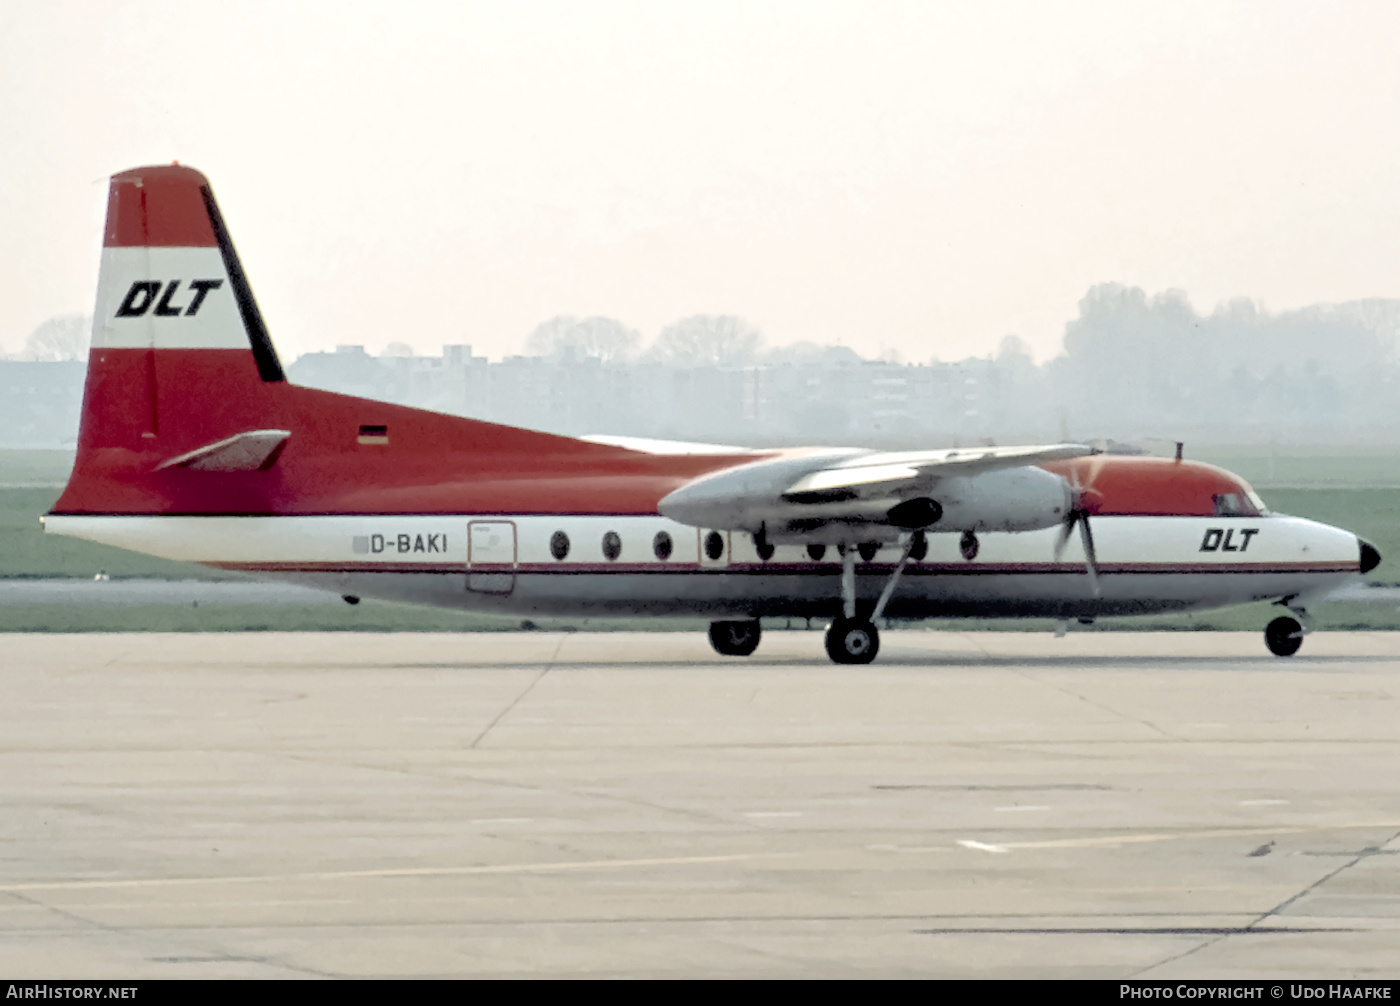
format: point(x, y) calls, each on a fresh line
point(1079, 514)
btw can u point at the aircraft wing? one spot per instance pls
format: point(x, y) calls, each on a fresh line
point(824, 494)
point(881, 471)
point(649, 445)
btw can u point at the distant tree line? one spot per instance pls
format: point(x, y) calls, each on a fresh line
point(1139, 363)
point(1134, 366)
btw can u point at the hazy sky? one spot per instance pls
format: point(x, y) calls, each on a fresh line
point(921, 177)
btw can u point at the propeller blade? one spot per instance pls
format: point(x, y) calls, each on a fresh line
point(1066, 529)
point(1091, 559)
point(1076, 513)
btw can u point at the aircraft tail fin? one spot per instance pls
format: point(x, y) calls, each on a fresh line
point(170, 276)
point(170, 285)
point(187, 409)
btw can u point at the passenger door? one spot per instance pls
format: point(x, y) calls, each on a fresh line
point(491, 556)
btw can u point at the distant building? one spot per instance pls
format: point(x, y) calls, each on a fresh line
point(820, 395)
point(813, 397)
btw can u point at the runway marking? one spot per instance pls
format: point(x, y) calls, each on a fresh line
point(510, 707)
point(201, 903)
point(1098, 840)
point(1014, 787)
point(1276, 910)
point(427, 871)
point(968, 843)
point(886, 847)
point(1139, 931)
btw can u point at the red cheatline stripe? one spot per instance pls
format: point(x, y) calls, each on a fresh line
point(824, 569)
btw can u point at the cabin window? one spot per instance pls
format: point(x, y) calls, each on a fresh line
point(661, 546)
point(815, 552)
point(1235, 505)
point(714, 545)
point(612, 546)
point(559, 545)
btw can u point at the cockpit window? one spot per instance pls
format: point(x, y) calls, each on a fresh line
point(1237, 505)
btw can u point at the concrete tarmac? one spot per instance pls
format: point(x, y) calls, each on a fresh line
point(1107, 805)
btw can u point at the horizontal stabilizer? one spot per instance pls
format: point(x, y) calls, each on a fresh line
point(253, 451)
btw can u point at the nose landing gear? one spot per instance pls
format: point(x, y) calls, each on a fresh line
point(1283, 636)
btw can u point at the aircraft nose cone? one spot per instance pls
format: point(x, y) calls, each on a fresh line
point(1370, 556)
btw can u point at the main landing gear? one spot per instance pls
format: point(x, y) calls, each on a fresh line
point(854, 640)
point(851, 638)
point(735, 639)
point(1283, 636)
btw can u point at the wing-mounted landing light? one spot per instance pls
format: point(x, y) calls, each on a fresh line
point(252, 451)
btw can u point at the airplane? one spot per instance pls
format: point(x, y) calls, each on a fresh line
point(193, 446)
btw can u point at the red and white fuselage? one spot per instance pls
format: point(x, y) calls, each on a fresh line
point(194, 447)
point(503, 562)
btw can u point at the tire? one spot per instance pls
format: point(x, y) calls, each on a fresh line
point(1283, 636)
point(735, 639)
point(852, 641)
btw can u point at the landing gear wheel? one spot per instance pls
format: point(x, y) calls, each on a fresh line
point(852, 641)
point(1283, 636)
point(735, 639)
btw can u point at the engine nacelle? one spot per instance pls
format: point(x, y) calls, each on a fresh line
point(1025, 498)
point(750, 496)
point(756, 497)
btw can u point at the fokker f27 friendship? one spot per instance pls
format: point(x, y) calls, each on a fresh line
point(194, 446)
